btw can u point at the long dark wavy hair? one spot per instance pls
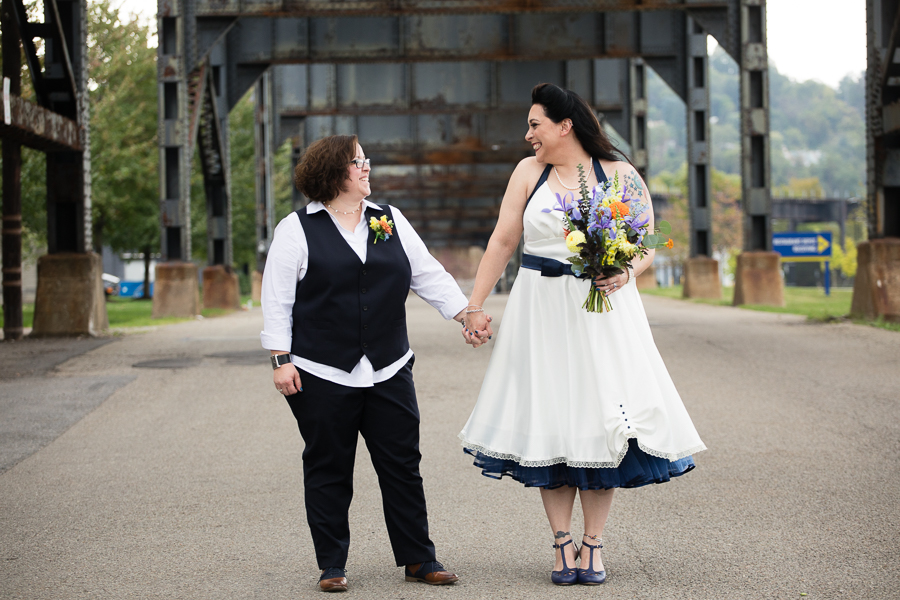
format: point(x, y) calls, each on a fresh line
point(562, 104)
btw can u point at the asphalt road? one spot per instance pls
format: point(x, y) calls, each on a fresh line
point(181, 478)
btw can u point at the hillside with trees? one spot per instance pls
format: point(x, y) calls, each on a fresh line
point(817, 150)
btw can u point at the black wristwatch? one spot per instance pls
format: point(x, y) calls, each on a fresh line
point(280, 359)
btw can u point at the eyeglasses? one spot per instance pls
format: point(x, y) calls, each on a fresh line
point(360, 163)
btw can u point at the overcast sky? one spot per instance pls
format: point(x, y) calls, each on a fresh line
point(808, 39)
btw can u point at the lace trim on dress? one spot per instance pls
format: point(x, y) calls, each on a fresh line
point(671, 457)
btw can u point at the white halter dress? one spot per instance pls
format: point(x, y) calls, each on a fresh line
point(571, 397)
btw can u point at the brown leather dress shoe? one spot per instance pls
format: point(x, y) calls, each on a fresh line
point(431, 572)
point(333, 579)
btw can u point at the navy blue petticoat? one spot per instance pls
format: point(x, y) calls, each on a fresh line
point(636, 469)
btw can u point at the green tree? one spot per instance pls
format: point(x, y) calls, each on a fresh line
point(124, 152)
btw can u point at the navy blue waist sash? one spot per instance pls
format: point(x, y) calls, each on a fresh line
point(547, 266)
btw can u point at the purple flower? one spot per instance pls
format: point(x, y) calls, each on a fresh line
point(567, 205)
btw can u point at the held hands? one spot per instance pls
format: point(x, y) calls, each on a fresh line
point(476, 326)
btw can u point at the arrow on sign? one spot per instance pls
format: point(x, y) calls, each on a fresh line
point(822, 243)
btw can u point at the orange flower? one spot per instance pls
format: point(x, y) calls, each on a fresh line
point(619, 209)
point(670, 244)
point(386, 227)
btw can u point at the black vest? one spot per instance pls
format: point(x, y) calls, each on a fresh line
point(345, 309)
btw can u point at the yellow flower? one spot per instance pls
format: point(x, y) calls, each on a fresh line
point(373, 222)
point(574, 241)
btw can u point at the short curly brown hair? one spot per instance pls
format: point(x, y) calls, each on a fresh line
point(322, 170)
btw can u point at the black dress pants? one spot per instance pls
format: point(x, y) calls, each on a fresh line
point(331, 417)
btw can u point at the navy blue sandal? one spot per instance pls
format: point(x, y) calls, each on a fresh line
point(568, 575)
point(589, 576)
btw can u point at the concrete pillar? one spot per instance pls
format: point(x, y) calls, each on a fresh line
point(176, 292)
point(70, 299)
point(220, 288)
point(701, 278)
point(876, 290)
point(757, 279)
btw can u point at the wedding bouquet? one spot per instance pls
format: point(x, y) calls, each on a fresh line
point(606, 228)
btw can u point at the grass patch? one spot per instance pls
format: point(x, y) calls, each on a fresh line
point(881, 324)
point(130, 312)
point(807, 301)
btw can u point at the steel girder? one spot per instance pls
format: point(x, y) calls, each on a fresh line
point(193, 113)
point(264, 138)
point(58, 123)
point(350, 46)
point(657, 36)
point(699, 157)
point(883, 118)
point(455, 113)
point(753, 63)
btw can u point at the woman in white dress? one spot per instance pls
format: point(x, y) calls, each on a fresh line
point(572, 402)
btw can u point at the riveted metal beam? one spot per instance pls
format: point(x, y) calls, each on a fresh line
point(39, 128)
point(637, 103)
point(367, 8)
point(179, 93)
point(883, 118)
point(212, 143)
point(698, 140)
point(264, 137)
point(755, 162)
point(12, 181)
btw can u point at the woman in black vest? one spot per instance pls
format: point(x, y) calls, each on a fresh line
point(333, 295)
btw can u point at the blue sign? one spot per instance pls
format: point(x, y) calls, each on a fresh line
point(796, 245)
point(130, 289)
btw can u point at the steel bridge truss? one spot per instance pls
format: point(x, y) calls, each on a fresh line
point(55, 122)
point(438, 91)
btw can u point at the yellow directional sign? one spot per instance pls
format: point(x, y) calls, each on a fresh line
point(823, 244)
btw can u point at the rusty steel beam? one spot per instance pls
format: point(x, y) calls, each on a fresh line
point(754, 97)
point(883, 118)
point(37, 127)
point(698, 141)
point(311, 8)
point(264, 140)
point(179, 97)
point(442, 88)
point(12, 184)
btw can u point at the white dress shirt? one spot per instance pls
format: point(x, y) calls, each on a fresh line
point(287, 262)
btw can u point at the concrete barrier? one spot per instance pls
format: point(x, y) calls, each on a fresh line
point(176, 290)
point(221, 288)
point(701, 278)
point(69, 299)
point(876, 290)
point(757, 279)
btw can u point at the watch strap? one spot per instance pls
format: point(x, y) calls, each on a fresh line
point(279, 360)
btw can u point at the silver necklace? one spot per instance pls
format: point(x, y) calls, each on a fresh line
point(337, 212)
point(591, 170)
